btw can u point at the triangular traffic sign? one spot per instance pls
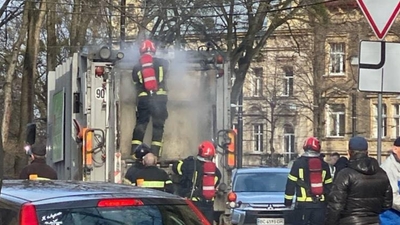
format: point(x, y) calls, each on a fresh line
point(380, 14)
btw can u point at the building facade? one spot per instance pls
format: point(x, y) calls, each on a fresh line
point(303, 85)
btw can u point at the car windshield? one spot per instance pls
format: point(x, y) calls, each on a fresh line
point(136, 215)
point(260, 182)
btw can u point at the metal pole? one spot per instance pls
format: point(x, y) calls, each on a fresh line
point(353, 113)
point(379, 147)
point(240, 131)
point(122, 24)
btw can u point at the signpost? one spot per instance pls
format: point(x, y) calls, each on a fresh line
point(376, 60)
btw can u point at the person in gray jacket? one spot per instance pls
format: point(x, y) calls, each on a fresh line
point(392, 169)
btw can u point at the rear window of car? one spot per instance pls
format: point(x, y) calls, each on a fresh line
point(260, 182)
point(133, 215)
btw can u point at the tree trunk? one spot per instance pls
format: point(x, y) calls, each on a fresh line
point(273, 127)
point(36, 18)
point(8, 95)
point(1, 161)
point(52, 49)
point(319, 34)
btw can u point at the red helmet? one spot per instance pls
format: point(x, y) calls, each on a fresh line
point(313, 144)
point(147, 46)
point(206, 149)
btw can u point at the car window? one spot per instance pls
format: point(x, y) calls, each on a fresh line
point(136, 215)
point(260, 182)
point(8, 216)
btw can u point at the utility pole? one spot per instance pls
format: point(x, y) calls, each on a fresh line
point(122, 24)
point(354, 112)
point(380, 130)
point(240, 131)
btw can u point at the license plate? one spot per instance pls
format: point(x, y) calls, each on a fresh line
point(270, 221)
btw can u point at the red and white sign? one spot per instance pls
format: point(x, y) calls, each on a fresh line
point(380, 14)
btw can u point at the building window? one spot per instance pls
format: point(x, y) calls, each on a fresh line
point(384, 121)
point(289, 145)
point(288, 81)
point(258, 131)
point(257, 81)
point(337, 59)
point(336, 123)
point(396, 118)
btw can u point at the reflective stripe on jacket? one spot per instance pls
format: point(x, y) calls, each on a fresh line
point(161, 68)
point(298, 175)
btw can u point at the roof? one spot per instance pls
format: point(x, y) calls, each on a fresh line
point(29, 190)
point(262, 170)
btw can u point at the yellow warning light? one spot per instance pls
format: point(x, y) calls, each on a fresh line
point(231, 158)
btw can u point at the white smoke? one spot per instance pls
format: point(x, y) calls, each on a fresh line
point(188, 109)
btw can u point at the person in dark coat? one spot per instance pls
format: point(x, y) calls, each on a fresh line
point(140, 152)
point(151, 176)
point(361, 191)
point(38, 167)
point(340, 164)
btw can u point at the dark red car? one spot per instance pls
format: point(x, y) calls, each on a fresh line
point(28, 202)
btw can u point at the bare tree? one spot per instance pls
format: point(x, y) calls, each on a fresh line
point(36, 18)
point(316, 86)
point(1, 161)
point(8, 93)
point(9, 14)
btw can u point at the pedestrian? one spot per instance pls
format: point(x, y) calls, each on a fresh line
point(38, 169)
point(334, 157)
point(149, 76)
point(151, 176)
point(340, 164)
point(199, 179)
point(361, 191)
point(309, 180)
point(137, 165)
point(392, 169)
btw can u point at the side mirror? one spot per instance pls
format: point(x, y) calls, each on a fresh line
point(30, 133)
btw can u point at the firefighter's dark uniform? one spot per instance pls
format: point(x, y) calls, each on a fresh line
point(191, 172)
point(40, 168)
point(129, 176)
point(151, 105)
point(308, 207)
point(153, 177)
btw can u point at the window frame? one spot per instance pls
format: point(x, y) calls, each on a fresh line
point(384, 121)
point(288, 82)
point(338, 115)
point(258, 137)
point(396, 121)
point(291, 138)
point(257, 82)
point(341, 56)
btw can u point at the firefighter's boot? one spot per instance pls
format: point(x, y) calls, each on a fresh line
point(133, 148)
point(156, 150)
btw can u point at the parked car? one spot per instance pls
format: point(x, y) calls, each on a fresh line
point(257, 197)
point(30, 202)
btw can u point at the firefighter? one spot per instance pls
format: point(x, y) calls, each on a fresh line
point(138, 155)
point(151, 176)
point(310, 180)
point(199, 179)
point(38, 167)
point(149, 77)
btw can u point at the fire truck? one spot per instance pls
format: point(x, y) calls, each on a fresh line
point(92, 111)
